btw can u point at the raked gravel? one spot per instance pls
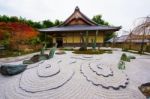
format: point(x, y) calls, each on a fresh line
point(71, 76)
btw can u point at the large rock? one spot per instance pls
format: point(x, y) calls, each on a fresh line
point(145, 89)
point(9, 69)
point(36, 58)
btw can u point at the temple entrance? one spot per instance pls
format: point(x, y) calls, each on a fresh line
point(59, 42)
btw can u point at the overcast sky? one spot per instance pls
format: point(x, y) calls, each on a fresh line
point(116, 12)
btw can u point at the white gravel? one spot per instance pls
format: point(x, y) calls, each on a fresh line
point(71, 76)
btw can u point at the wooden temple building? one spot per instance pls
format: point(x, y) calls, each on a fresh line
point(70, 31)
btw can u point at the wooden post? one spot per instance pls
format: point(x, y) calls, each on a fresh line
point(87, 38)
point(66, 40)
point(96, 34)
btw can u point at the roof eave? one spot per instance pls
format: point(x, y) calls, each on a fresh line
point(111, 30)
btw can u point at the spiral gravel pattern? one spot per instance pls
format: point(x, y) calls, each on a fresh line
point(47, 76)
point(65, 77)
point(105, 78)
point(101, 69)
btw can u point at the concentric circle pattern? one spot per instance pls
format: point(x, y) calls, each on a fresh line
point(102, 75)
point(48, 69)
point(47, 76)
point(69, 77)
point(101, 69)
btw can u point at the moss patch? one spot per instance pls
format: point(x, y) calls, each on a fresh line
point(90, 51)
point(67, 49)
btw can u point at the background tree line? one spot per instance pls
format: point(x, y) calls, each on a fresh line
point(34, 24)
point(19, 21)
point(48, 23)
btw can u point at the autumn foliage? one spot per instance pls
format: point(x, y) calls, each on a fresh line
point(17, 33)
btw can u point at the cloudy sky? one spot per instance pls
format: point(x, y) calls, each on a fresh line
point(116, 12)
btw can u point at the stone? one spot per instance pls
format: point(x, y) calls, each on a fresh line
point(8, 69)
point(121, 65)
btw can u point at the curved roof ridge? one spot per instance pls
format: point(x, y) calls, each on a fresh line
point(81, 15)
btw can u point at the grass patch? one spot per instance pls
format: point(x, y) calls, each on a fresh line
point(67, 49)
point(90, 51)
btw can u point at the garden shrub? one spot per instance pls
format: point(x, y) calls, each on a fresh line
point(124, 57)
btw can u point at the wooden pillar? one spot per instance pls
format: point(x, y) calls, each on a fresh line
point(80, 38)
point(87, 38)
point(96, 34)
point(66, 40)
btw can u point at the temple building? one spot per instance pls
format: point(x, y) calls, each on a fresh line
point(70, 31)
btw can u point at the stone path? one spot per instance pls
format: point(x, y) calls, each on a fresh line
point(71, 76)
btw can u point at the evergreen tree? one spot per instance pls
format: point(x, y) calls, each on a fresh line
point(47, 23)
point(98, 19)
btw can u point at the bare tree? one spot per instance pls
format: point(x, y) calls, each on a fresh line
point(141, 32)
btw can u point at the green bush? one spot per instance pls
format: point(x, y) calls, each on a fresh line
point(34, 41)
point(124, 57)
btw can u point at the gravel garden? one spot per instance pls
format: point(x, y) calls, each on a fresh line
point(78, 76)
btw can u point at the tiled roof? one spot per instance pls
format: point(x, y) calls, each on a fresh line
point(124, 38)
point(79, 28)
point(77, 14)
